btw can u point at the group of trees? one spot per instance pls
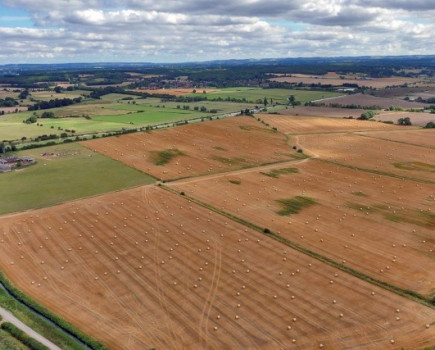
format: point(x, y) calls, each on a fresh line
point(55, 103)
point(404, 121)
point(8, 102)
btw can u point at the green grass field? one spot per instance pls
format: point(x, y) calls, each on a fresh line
point(278, 95)
point(76, 173)
point(108, 114)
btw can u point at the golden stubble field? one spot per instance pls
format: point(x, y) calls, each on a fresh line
point(310, 124)
point(197, 149)
point(375, 224)
point(378, 83)
point(145, 268)
point(423, 138)
point(375, 154)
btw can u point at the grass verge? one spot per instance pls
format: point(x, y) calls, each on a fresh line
point(24, 308)
point(22, 337)
point(8, 342)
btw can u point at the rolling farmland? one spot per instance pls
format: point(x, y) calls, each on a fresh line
point(351, 209)
point(177, 275)
point(218, 146)
point(302, 125)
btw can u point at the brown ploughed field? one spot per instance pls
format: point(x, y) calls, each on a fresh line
point(323, 112)
point(369, 101)
point(196, 149)
point(301, 125)
point(424, 138)
point(374, 154)
point(145, 268)
point(379, 225)
point(378, 83)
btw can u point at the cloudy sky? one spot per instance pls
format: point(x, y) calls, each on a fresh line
point(48, 31)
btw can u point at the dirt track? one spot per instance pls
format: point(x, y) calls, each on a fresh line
point(208, 147)
point(8, 317)
point(146, 268)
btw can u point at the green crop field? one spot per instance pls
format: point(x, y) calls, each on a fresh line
point(76, 172)
point(278, 95)
point(108, 114)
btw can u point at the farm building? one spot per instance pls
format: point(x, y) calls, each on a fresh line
point(12, 162)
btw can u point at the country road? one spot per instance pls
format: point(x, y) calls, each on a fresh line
point(8, 317)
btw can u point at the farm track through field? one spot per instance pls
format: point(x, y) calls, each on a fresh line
point(171, 313)
point(391, 288)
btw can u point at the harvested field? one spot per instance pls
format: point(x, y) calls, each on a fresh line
point(368, 222)
point(400, 92)
point(378, 83)
point(424, 95)
point(173, 92)
point(417, 118)
point(369, 101)
point(200, 148)
point(424, 138)
point(323, 112)
point(378, 155)
point(302, 125)
point(145, 268)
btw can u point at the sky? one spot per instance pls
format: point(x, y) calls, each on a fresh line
point(61, 31)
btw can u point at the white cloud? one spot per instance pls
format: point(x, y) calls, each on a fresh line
point(179, 30)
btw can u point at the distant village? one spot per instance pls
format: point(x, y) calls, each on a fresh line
point(13, 162)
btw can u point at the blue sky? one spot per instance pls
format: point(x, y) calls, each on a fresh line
point(12, 17)
point(44, 31)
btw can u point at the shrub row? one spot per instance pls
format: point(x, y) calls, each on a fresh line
point(23, 337)
point(35, 307)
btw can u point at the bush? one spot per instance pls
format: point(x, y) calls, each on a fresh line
point(430, 125)
point(404, 121)
point(23, 337)
point(266, 230)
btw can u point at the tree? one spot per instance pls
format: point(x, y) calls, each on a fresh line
point(367, 115)
point(23, 94)
point(58, 89)
point(430, 125)
point(404, 121)
point(47, 115)
point(292, 100)
point(265, 102)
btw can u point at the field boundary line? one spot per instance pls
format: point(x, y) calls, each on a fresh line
point(236, 172)
point(402, 142)
point(409, 294)
point(373, 171)
point(48, 316)
point(5, 215)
